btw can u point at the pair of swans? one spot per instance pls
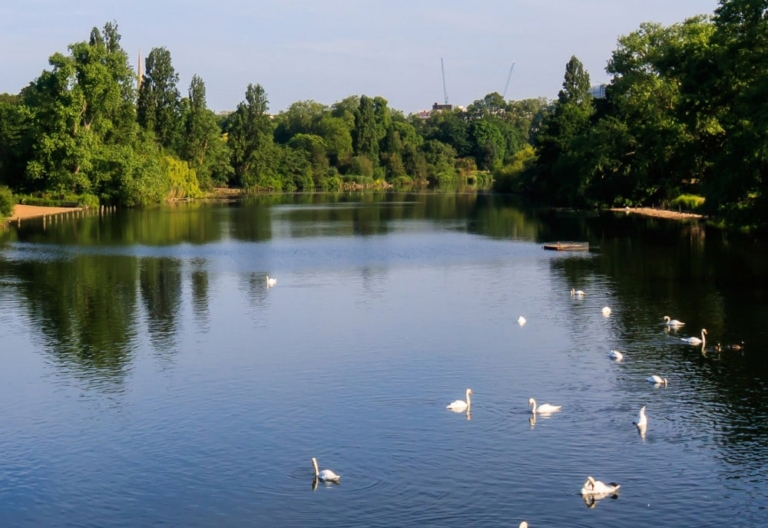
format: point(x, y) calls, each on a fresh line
point(271, 281)
point(325, 475)
point(461, 406)
point(695, 341)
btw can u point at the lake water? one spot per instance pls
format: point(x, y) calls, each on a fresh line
point(150, 378)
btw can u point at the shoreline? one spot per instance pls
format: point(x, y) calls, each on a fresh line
point(24, 212)
point(658, 213)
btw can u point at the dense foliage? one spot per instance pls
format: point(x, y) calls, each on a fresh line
point(6, 202)
point(89, 128)
point(684, 114)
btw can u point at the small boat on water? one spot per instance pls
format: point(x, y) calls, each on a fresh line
point(567, 246)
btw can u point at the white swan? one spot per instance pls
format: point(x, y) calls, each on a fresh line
point(615, 354)
point(521, 320)
point(271, 281)
point(606, 311)
point(523, 525)
point(544, 408)
point(595, 487)
point(657, 380)
point(325, 475)
point(461, 406)
point(642, 421)
point(696, 340)
point(672, 322)
point(578, 293)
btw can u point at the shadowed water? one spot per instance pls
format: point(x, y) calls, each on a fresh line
point(150, 377)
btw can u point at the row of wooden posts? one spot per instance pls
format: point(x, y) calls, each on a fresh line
point(71, 215)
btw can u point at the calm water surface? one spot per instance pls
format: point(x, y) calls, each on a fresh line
point(150, 378)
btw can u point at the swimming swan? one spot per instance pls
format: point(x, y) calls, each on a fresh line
point(615, 354)
point(657, 380)
point(642, 421)
point(325, 475)
point(271, 281)
point(606, 311)
point(672, 322)
point(577, 292)
point(543, 408)
point(460, 406)
point(521, 320)
point(523, 525)
point(696, 340)
point(595, 487)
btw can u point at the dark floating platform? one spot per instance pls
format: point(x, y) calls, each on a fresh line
point(567, 246)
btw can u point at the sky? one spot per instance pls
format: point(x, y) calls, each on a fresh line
point(325, 50)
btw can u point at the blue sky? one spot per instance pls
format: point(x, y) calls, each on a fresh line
point(326, 50)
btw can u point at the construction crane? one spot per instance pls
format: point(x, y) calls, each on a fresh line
point(445, 91)
point(509, 77)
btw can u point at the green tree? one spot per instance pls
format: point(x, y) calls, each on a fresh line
point(15, 140)
point(346, 110)
point(6, 202)
point(302, 117)
point(159, 104)
point(312, 148)
point(553, 178)
point(733, 93)
point(492, 104)
point(366, 134)
point(250, 139)
point(201, 144)
point(337, 138)
point(441, 162)
point(80, 109)
point(489, 145)
point(450, 128)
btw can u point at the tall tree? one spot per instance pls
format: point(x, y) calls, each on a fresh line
point(159, 105)
point(81, 108)
point(569, 118)
point(202, 144)
point(366, 135)
point(251, 141)
point(736, 92)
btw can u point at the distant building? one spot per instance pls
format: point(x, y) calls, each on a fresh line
point(440, 107)
point(598, 91)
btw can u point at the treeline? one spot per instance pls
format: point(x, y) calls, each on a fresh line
point(684, 117)
point(89, 130)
